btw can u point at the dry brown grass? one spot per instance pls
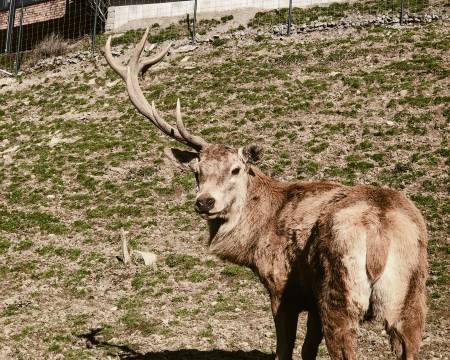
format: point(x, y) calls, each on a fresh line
point(52, 45)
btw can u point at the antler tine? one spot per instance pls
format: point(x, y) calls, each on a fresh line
point(130, 74)
point(146, 64)
point(137, 98)
point(194, 140)
point(137, 51)
point(118, 68)
point(158, 117)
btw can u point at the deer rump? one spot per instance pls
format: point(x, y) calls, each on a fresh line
point(353, 240)
point(344, 254)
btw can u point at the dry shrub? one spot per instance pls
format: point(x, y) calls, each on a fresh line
point(50, 46)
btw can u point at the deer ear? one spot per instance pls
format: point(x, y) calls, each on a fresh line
point(182, 159)
point(252, 153)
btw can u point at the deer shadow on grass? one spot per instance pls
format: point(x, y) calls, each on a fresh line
point(192, 354)
point(127, 353)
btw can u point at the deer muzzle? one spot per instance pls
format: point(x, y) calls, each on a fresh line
point(204, 204)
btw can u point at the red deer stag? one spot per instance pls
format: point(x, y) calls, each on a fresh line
point(342, 253)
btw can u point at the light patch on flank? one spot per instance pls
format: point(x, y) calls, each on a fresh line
point(350, 238)
point(390, 290)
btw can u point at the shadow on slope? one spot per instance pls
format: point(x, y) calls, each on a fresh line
point(127, 353)
point(191, 354)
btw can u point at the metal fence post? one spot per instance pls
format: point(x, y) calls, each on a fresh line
point(94, 30)
point(401, 11)
point(19, 41)
point(188, 25)
point(194, 25)
point(10, 30)
point(289, 18)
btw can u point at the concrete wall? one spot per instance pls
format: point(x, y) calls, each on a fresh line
point(134, 16)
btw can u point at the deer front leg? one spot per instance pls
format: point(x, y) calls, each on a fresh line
point(313, 336)
point(286, 328)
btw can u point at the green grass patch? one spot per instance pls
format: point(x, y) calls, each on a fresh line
point(182, 262)
point(16, 221)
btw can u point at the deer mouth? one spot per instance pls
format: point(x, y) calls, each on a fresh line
point(212, 215)
point(222, 214)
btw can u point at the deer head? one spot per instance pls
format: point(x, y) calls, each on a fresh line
point(221, 171)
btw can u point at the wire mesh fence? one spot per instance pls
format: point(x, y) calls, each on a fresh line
point(28, 24)
point(34, 29)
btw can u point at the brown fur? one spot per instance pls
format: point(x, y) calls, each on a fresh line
point(287, 234)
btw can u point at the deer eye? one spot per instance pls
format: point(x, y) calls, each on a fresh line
point(235, 171)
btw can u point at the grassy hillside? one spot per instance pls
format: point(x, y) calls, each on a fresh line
point(78, 164)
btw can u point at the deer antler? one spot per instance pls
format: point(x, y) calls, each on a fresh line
point(130, 74)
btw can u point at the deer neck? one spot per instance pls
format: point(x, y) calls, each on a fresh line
point(237, 238)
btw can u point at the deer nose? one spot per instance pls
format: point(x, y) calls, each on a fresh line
point(204, 204)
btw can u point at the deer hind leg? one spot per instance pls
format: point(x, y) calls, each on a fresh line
point(396, 342)
point(343, 301)
point(339, 317)
point(340, 332)
point(406, 334)
point(398, 297)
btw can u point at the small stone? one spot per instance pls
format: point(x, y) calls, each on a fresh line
point(7, 160)
point(110, 84)
point(185, 49)
point(149, 47)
